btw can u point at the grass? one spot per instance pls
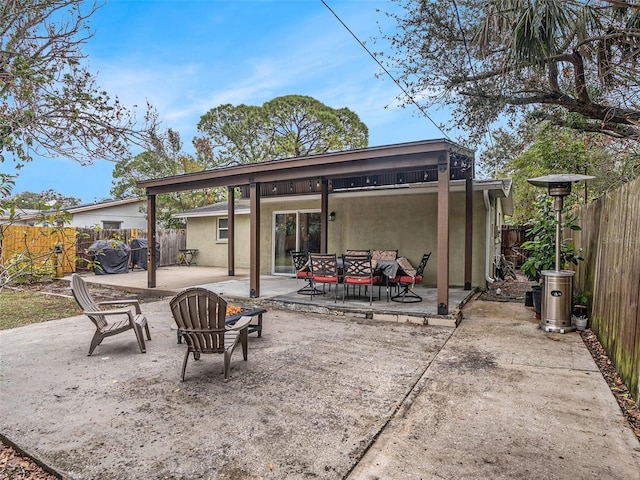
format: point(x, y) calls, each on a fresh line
point(21, 307)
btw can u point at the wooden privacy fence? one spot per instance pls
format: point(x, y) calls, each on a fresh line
point(610, 238)
point(39, 244)
point(511, 237)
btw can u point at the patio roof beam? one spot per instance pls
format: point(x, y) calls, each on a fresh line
point(221, 178)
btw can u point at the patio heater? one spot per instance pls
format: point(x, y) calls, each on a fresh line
point(557, 285)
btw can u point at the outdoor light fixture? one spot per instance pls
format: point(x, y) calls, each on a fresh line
point(557, 289)
point(332, 216)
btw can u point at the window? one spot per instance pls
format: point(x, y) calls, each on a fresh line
point(110, 225)
point(223, 229)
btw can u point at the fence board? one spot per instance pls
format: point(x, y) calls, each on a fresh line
point(512, 236)
point(610, 237)
point(39, 243)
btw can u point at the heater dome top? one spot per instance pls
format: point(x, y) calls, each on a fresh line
point(559, 178)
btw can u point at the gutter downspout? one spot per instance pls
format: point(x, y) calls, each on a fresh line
point(489, 237)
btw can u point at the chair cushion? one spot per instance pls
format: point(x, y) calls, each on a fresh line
point(304, 274)
point(361, 280)
point(406, 266)
point(384, 254)
point(320, 279)
point(407, 279)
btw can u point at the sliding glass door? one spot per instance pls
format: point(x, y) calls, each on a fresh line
point(297, 230)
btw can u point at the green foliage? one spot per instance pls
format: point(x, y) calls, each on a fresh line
point(45, 200)
point(497, 60)
point(542, 254)
point(163, 159)
point(24, 268)
point(288, 126)
point(582, 298)
point(541, 149)
point(49, 101)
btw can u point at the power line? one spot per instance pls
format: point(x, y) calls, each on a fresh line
point(422, 110)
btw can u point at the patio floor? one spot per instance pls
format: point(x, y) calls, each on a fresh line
point(321, 396)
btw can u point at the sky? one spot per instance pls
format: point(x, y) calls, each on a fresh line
point(186, 57)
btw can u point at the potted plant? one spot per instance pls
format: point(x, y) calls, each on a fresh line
point(542, 254)
point(581, 303)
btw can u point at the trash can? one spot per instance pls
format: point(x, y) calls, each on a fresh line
point(557, 293)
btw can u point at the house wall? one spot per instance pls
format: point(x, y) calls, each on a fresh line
point(404, 222)
point(128, 214)
point(202, 234)
point(409, 223)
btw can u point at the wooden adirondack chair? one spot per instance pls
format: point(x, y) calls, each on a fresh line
point(130, 318)
point(201, 318)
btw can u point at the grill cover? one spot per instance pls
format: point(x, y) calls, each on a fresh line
point(110, 256)
point(139, 253)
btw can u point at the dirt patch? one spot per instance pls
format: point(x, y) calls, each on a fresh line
point(62, 287)
point(507, 290)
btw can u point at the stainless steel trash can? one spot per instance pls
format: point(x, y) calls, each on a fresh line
point(557, 293)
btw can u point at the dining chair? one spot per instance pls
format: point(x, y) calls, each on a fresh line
point(407, 277)
point(303, 271)
point(324, 270)
point(358, 271)
point(358, 252)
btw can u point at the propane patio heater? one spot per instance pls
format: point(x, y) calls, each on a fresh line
point(557, 285)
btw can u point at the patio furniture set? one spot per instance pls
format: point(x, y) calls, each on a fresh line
point(359, 268)
point(200, 314)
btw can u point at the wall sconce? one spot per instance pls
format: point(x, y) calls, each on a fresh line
point(332, 216)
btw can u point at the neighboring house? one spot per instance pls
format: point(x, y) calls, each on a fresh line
point(389, 217)
point(116, 214)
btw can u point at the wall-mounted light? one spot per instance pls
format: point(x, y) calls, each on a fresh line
point(332, 216)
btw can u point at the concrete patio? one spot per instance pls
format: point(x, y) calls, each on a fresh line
point(322, 395)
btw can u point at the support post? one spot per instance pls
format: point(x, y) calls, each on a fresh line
point(324, 216)
point(151, 241)
point(254, 248)
point(231, 225)
point(468, 229)
point(443, 234)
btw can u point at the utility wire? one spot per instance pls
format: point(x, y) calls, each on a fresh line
point(422, 110)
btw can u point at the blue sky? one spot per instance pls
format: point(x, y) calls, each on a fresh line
point(186, 57)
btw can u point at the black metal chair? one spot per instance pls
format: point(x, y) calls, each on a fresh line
point(358, 271)
point(303, 271)
point(407, 277)
point(324, 270)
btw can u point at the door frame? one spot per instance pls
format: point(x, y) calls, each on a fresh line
point(273, 234)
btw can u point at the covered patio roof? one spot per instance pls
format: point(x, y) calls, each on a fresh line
point(423, 161)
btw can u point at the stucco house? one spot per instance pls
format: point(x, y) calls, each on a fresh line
point(377, 218)
point(415, 197)
point(114, 214)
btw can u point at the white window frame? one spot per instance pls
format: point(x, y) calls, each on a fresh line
point(222, 229)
